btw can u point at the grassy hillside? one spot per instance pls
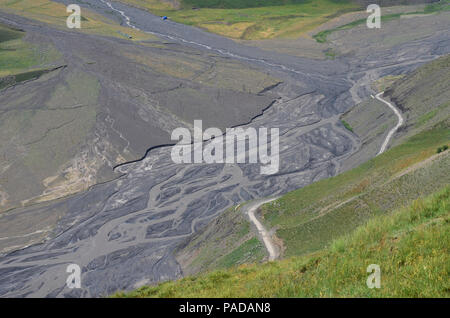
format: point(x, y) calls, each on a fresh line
point(8, 34)
point(22, 60)
point(410, 246)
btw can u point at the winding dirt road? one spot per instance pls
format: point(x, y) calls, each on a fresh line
point(393, 130)
point(250, 210)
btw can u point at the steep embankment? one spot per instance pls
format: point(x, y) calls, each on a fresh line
point(229, 241)
point(423, 97)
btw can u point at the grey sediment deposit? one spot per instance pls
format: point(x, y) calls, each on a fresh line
point(123, 232)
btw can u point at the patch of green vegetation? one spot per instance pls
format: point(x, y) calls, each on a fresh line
point(442, 149)
point(252, 249)
point(21, 77)
point(426, 117)
point(17, 56)
point(347, 125)
point(330, 53)
point(410, 246)
point(443, 5)
point(321, 37)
